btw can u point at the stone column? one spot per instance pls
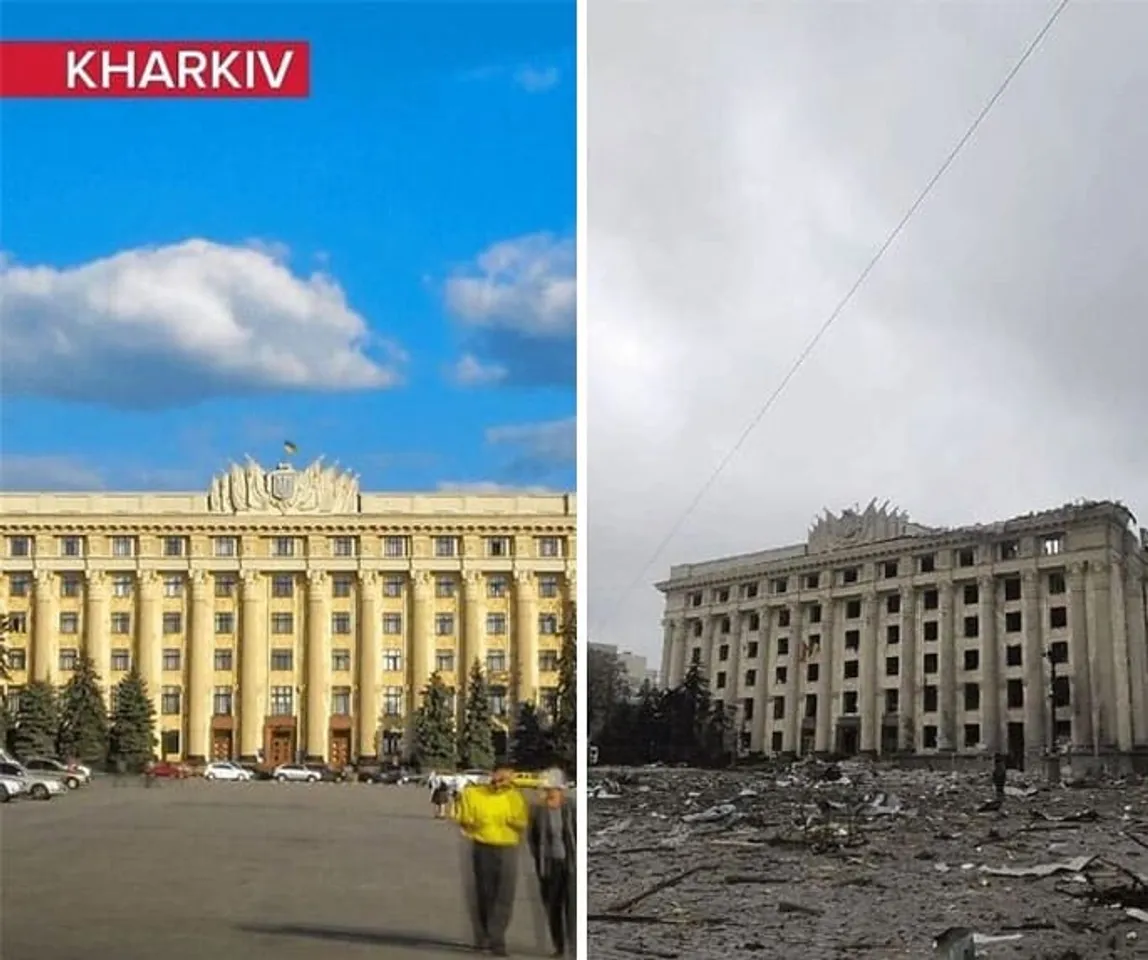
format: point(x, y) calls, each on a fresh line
point(733, 670)
point(794, 684)
point(706, 665)
point(97, 626)
point(316, 716)
point(992, 693)
point(370, 642)
point(667, 646)
point(947, 734)
point(45, 628)
point(823, 738)
point(525, 639)
point(1035, 677)
point(201, 656)
point(1137, 654)
point(682, 665)
point(253, 665)
point(474, 618)
point(870, 676)
point(149, 633)
point(909, 687)
point(1082, 695)
point(1100, 637)
point(1121, 658)
point(760, 692)
point(419, 646)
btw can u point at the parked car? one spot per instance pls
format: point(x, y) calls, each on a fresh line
point(37, 786)
point(225, 770)
point(72, 775)
point(297, 772)
point(257, 772)
point(166, 770)
point(387, 775)
point(11, 788)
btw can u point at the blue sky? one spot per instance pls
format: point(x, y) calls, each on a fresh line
point(382, 274)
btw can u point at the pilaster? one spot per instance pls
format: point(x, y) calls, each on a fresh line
point(200, 668)
point(823, 738)
point(419, 646)
point(795, 663)
point(1036, 685)
point(97, 626)
point(525, 640)
point(45, 628)
point(1121, 659)
point(947, 732)
point(253, 665)
point(318, 664)
point(870, 680)
point(474, 618)
point(367, 661)
point(910, 686)
point(1083, 699)
point(991, 694)
point(149, 635)
point(1137, 654)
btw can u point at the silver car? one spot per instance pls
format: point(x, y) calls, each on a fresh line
point(296, 772)
point(72, 777)
point(11, 788)
point(37, 786)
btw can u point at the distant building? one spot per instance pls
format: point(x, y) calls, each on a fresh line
point(635, 666)
point(881, 635)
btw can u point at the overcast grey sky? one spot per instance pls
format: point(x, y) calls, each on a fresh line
point(746, 159)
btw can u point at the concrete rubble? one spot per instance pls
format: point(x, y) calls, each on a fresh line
point(856, 860)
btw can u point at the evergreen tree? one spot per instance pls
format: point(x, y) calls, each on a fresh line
point(530, 741)
point(564, 730)
point(7, 724)
point(5, 626)
point(83, 719)
point(435, 745)
point(37, 721)
point(132, 736)
point(476, 738)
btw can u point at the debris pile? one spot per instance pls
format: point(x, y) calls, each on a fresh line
point(857, 860)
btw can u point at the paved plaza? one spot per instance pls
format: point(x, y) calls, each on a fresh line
point(238, 871)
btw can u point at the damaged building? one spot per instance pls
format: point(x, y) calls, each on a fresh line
point(882, 636)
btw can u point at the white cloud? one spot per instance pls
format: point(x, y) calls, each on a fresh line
point(552, 441)
point(161, 326)
point(992, 364)
point(537, 79)
point(47, 472)
point(526, 285)
point(469, 371)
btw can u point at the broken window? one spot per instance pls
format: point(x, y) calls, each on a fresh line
point(1009, 550)
point(892, 666)
point(783, 618)
point(779, 708)
point(850, 575)
point(1014, 655)
point(1014, 694)
point(967, 557)
point(1012, 621)
point(1059, 652)
point(972, 594)
point(972, 627)
point(852, 609)
point(972, 696)
point(780, 585)
point(723, 652)
point(972, 734)
point(815, 613)
point(929, 737)
point(930, 663)
point(931, 630)
point(852, 639)
point(889, 568)
point(972, 659)
point(749, 590)
point(781, 676)
point(725, 624)
point(1063, 731)
point(1061, 692)
point(696, 655)
point(1052, 545)
point(893, 633)
point(697, 627)
point(930, 699)
point(893, 603)
point(812, 672)
point(754, 622)
point(930, 600)
point(723, 595)
point(751, 649)
point(812, 581)
point(747, 708)
point(751, 678)
point(782, 646)
point(776, 741)
point(892, 700)
point(849, 701)
point(1056, 584)
point(1012, 588)
point(851, 669)
point(1058, 618)
point(811, 705)
point(927, 563)
point(720, 681)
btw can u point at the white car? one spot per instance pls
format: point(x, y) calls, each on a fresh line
point(37, 786)
point(225, 770)
point(11, 788)
point(296, 772)
point(74, 775)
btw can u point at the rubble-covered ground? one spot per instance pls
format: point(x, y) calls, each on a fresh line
point(861, 861)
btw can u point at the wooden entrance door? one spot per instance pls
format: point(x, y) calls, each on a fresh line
point(281, 748)
point(339, 749)
point(221, 745)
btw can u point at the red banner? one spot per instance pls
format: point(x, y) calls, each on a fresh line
point(233, 69)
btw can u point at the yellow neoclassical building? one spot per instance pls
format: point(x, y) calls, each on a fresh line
point(285, 613)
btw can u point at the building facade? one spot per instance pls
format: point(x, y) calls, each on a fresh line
point(879, 635)
point(633, 664)
point(286, 614)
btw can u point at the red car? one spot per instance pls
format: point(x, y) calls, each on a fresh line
point(169, 771)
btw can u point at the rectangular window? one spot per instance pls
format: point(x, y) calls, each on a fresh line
point(282, 623)
point(498, 546)
point(71, 546)
point(445, 587)
point(1056, 583)
point(170, 701)
point(172, 623)
point(69, 656)
point(282, 546)
point(393, 586)
point(929, 737)
point(1012, 589)
point(341, 701)
point(849, 701)
point(549, 546)
point(224, 585)
point(1057, 618)
point(171, 658)
point(223, 659)
point(548, 586)
point(1014, 655)
point(282, 701)
point(221, 702)
point(20, 585)
point(121, 659)
point(930, 599)
point(444, 661)
point(445, 546)
point(19, 546)
point(499, 704)
point(495, 624)
point(927, 563)
point(344, 547)
point(497, 586)
point(70, 585)
point(393, 702)
point(496, 661)
point(1058, 652)
point(225, 623)
point(18, 622)
point(1014, 694)
point(226, 546)
point(392, 624)
point(779, 708)
point(893, 634)
point(892, 700)
point(972, 734)
point(931, 661)
point(69, 623)
point(547, 661)
point(972, 696)
point(392, 661)
point(931, 629)
point(1009, 550)
point(121, 623)
point(341, 585)
point(972, 659)
point(394, 547)
point(340, 660)
point(123, 546)
point(282, 585)
point(548, 624)
point(966, 557)
point(282, 658)
point(444, 624)
point(173, 546)
point(340, 624)
point(971, 594)
point(930, 699)
point(173, 585)
point(972, 627)
point(1013, 622)
point(851, 669)
point(122, 585)
point(892, 666)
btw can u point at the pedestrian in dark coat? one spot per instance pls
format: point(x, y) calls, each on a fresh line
point(552, 837)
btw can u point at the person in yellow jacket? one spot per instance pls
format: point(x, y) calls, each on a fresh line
point(493, 817)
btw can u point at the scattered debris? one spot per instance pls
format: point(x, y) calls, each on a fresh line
point(854, 860)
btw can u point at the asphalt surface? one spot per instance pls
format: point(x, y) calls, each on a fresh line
point(192, 870)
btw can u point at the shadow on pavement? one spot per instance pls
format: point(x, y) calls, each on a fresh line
point(413, 941)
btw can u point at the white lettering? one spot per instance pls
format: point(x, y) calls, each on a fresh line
point(78, 70)
point(127, 70)
point(275, 79)
point(221, 67)
point(156, 72)
point(192, 63)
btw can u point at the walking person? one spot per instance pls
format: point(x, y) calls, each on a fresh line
point(440, 797)
point(551, 836)
point(493, 817)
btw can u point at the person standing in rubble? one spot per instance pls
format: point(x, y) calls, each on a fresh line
point(1000, 776)
point(551, 837)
